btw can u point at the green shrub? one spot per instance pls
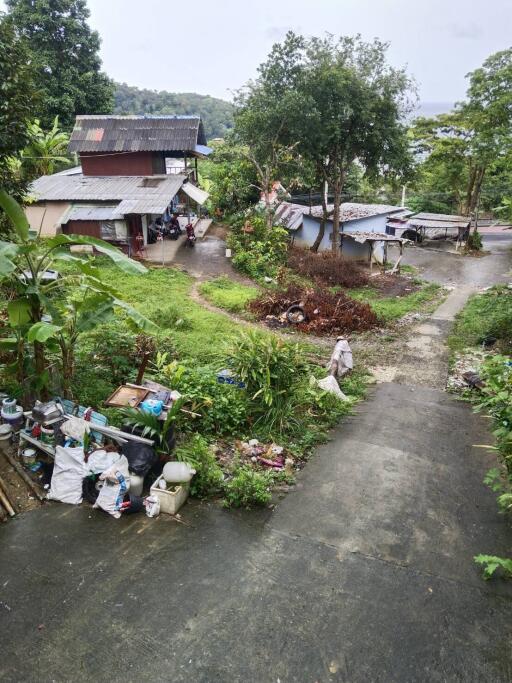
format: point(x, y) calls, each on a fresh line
point(248, 488)
point(497, 401)
point(271, 370)
point(491, 563)
point(209, 477)
point(261, 251)
point(485, 315)
point(223, 408)
point(111, 350)
point(474, 242)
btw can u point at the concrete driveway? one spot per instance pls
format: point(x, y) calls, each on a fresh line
point(363, 573)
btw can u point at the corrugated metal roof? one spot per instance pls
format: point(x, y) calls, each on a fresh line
point(195, 193)
point(349, 211)
point(290, 216)
point(105, 188)
point(143, 206)
point(373, 237)
point(93, 213)
point(441, 217)
point(137, 134)
point(442, 224)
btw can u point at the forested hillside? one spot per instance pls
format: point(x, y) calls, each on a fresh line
point(217, 114)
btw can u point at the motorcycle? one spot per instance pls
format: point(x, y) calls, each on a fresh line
point(191, 236)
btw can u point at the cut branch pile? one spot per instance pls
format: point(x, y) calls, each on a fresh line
point(325, 313)
point(326, 268)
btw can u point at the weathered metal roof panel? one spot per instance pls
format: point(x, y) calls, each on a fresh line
point(136, 134)
point(105, 188)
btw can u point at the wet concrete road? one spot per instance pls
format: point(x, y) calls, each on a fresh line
point(452, 269)
point(363, 573)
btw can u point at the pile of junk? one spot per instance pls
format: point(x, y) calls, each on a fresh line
point(74, 455)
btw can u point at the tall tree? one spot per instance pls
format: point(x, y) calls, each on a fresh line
point(488, 111)
point(471, 145)
point(65, 53)
point(17, 103)
point(327, 102)
point(262, 113)
point(353, 109)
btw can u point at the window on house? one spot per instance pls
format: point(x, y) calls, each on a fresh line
point(108, 230)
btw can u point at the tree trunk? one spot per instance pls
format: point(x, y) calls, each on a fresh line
point(68, 369)
point(39, 357)
point(321, 229)
point(477, 189)
point(469, 190)
point(336, 216)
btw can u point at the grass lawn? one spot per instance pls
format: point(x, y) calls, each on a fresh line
point(228, 294)
point(424, 300)
point(485, 315)
point(162, 295)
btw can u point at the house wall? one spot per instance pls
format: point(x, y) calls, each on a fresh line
point(306, 235)
point(131, 163)
point(45, 217)
point(89, 228)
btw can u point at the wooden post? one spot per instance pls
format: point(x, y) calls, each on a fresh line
point(21, 473)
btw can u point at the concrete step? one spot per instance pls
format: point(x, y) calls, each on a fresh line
point(202, 226)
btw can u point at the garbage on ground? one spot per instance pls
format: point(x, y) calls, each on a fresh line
point(69, 470)
point(72, 453)
point(465, 369)
point(227, 377)
point(152, 506)
point(116, 483)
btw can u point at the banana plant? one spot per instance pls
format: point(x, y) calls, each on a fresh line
point(25, 262)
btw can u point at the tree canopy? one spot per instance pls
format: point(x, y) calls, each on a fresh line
point(217, 115)
point(327, 102)
point(17, 102)
point(466, 155)
point(65, 54)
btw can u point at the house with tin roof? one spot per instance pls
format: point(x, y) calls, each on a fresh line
point(125, 181)
point(357, 221)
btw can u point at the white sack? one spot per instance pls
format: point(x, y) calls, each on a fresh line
point(69, 471)
point(102, 460)
point(331, 385)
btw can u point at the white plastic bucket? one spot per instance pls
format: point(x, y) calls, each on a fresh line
point(9, 406)
point(5, 436)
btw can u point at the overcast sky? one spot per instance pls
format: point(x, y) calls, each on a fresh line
point(214, 47)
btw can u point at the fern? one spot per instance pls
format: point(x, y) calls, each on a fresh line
point(491, 563)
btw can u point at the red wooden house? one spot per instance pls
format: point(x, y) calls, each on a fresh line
point(123, 182)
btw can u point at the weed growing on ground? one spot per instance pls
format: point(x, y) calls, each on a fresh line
point(209, 477)
point(391, 308)
point(228, 294)
point(486, 318)
point(248, 488)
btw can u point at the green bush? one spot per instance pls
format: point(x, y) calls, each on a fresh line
point(485, 315)
point(474, 242)
point(271, 370)
point(223, 408)
point(111, 350)
point(248, 488)
point(260, 252)
point(209, 477)
point(497, 401)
